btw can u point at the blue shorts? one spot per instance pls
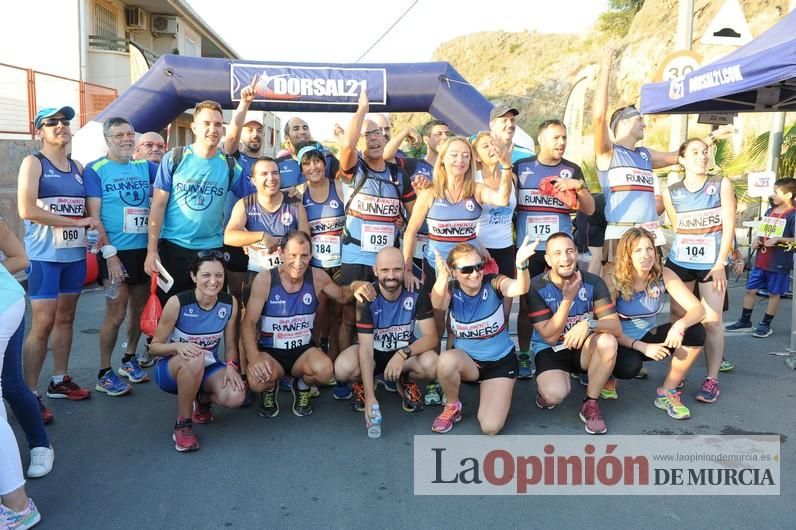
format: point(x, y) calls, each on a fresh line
point(48, 279)
point(168, 384)
point(777, 283)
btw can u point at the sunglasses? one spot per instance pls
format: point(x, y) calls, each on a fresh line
point(213, 254)
point(53, 122)
point(469, 269)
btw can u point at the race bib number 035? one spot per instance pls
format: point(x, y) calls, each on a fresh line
point(376, 237)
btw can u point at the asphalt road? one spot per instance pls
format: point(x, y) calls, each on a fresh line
point(116, 465)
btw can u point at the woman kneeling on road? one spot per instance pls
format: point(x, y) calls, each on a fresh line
point(484, 352)
point(187, 340)
point(638, 287)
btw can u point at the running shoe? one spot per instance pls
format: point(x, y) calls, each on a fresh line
point(67, 389)
point(132, 371)
point(609, 390)
point(27, 518)
point(452, 413)
point(542, 404)
point(433, 395)
point(358, 405)
point(411, 396)
point(302, 400)
point(739, 326)
point(342, 391)
point(526, 370)
point(669, 400)
point(726, 366)
point(41, 461)
point(762, 331)
point(285, 384)
point(111, 385)
point(47, 415)
point(389, 386)
point(268, 407)
point(202, 412)
point(591, 415)
point(709, 392)
point(184, 438)
point(145, 359)
point(583, 378)
point(314, 391)
point(642, 374)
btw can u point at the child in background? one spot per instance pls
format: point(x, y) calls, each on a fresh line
point(773, 263)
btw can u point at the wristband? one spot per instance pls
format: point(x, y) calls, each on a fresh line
point(633, 344)
point(234, 364)
point(506, 168)
point(108, 251)
point(523, 267)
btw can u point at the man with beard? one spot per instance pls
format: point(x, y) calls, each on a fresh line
point(540, 215)
point(387, 344)
point(575, 330)
point(278, 326)
point(503, 122)
point(297, 132)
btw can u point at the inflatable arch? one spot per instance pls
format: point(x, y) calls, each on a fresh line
point(176, 83)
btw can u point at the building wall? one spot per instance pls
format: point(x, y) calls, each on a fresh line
point(11, 154)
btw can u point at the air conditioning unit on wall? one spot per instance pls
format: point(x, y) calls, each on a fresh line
point(164, 25)
point(135, 18)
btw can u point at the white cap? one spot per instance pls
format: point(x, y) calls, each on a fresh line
point(254, 116)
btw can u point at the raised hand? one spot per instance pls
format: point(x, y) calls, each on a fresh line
point(571, 286)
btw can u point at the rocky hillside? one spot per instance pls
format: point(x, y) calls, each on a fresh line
point(536, 71)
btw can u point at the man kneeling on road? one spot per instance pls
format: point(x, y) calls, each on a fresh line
point(387, 343)
point(284, 301)
point(575, 328)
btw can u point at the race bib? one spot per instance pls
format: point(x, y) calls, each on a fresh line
point(69, 236)
point(421, 241)
point(771, 227)
point(135, 220)
point(289, 340)
point(260, 259)
point(697, 250)
point(376, 237)
point(326, 248)
point(541, 226)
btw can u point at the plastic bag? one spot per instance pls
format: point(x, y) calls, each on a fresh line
point(568, 197)
point(152, 310)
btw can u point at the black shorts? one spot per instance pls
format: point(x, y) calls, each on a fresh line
point(133, 263)
point(287, 357)
point(238, 259)
point(429, 277)
point(381, 358)
point(178, 261)
point(629, 361)
point(335, 273)
point(564, 359)
point(687, 275)
point(506, 366)
point(505, 260)
point(354, 272)
point(537, 264)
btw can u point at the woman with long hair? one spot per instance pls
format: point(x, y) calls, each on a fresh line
point(638, 286)
point(701, 207)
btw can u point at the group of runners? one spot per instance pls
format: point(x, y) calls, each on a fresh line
point(349, 270)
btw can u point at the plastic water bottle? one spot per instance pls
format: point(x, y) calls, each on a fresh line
point(92, 238)
point(374, 428)
point(112, 290)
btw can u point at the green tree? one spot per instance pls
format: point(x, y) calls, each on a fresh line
point(619, 17)
point(758, 150)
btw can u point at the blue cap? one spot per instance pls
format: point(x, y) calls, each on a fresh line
point(308, 149)
point(49, 112)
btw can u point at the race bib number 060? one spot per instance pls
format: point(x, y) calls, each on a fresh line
point(69, 236)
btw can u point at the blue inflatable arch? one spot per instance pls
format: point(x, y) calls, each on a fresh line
point(176, 83)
